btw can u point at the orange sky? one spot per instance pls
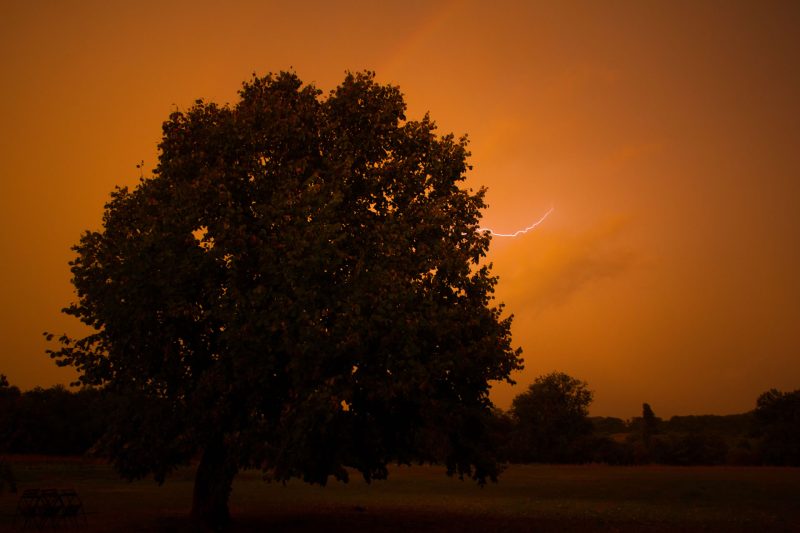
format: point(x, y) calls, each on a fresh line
point(666, 135)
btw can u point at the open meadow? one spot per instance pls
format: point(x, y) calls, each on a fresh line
point(422, 498)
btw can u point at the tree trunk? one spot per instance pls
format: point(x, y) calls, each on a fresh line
point(212, 486)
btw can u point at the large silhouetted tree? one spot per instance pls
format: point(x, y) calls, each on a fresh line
point(297, 288)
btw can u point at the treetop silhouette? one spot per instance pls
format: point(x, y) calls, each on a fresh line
point(298, 288)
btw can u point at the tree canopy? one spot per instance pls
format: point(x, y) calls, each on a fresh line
point(298, 287)
point(551, 419)
point(649, 422)
point(777, 420)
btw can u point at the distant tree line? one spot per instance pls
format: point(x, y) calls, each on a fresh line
point(53, 421)
point(548, 423)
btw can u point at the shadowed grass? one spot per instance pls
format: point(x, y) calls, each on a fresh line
point(541, 498)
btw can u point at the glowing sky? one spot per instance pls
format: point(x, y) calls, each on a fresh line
point(666, 135)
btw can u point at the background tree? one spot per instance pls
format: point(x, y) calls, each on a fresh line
point(8, 392)
point(53, 421)
point(649, 424)
point(644, 446)
point(9, 401)
point(8, 398)
point(297, 288)
point(777, 419)
point(551, 420)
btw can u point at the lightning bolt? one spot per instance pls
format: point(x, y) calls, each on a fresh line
point(518, 232)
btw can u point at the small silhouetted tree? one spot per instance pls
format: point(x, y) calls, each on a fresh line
point(649, 424)
point(7, 391)
point(551, 420)
point(9, 401)
point(8, 395)
point(297, 288)
point(777, 419)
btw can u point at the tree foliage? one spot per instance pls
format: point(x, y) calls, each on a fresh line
point(777, 418)
point(7, 391)
point(53, 421)
point(299, 287)
point(650, 423)
point(551, 420)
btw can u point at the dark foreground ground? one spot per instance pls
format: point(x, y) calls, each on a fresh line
point(528, 498)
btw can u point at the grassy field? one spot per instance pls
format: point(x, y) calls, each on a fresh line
point(422, 498)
